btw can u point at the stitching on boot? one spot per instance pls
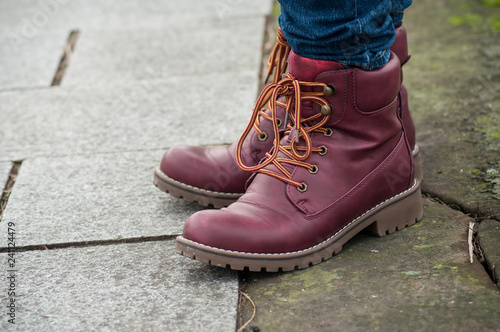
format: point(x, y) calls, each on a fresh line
point(183, 185)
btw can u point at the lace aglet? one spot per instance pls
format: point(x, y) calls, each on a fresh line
point(294, 134)
point(267, 78)
point(290, 136)
point(285, 123)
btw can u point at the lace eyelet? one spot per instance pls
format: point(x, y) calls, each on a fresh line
point(302, 188)
point(314, 170)
point(329, 90)
point(323, 151)
point(329, 132)
point(279, 121)
point(262, 137)
point(326, 110)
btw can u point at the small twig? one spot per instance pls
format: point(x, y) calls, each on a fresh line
point(254, 311)
point(469, 241)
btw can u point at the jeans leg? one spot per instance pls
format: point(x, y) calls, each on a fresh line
point(356, 33)
point(398, 7)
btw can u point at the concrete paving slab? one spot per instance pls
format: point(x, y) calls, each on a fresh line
point(95, 13)
point(488, 235)
point(147, 114)
point(30, 60)
point(417, 279)
point(91, 198)
point(33, 33)
point(453, 87)
point(83, 14)
point(177, 47)
point(127, 287)
point(30, 49)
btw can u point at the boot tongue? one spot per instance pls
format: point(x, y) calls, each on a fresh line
point(305, 69)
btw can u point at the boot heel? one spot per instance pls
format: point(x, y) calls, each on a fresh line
point(398, 215)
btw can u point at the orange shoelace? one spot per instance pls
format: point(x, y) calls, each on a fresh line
point(278, 58)
point(290, 88)
point(277, 63)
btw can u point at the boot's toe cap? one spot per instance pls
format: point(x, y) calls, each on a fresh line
point(177, 159)
point(243, 230)
point(211, 168)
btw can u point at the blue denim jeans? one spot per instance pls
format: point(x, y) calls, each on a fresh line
point(356, 33)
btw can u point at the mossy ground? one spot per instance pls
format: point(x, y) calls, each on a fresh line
point(418, 279)
point(453, 81)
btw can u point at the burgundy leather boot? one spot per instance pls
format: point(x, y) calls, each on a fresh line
point(343, 165)
point(210, 175)
point(400, 48)
point(213, 176)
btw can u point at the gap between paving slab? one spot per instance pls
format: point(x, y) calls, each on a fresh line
point(143, 286)
point(66, 56)
point(488, 237)
point(10, 179)
point(4, 185)
point(4, 172)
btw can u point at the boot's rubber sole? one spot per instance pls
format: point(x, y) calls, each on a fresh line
point(221, 199)
point(396, 213)
point(192, 194)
